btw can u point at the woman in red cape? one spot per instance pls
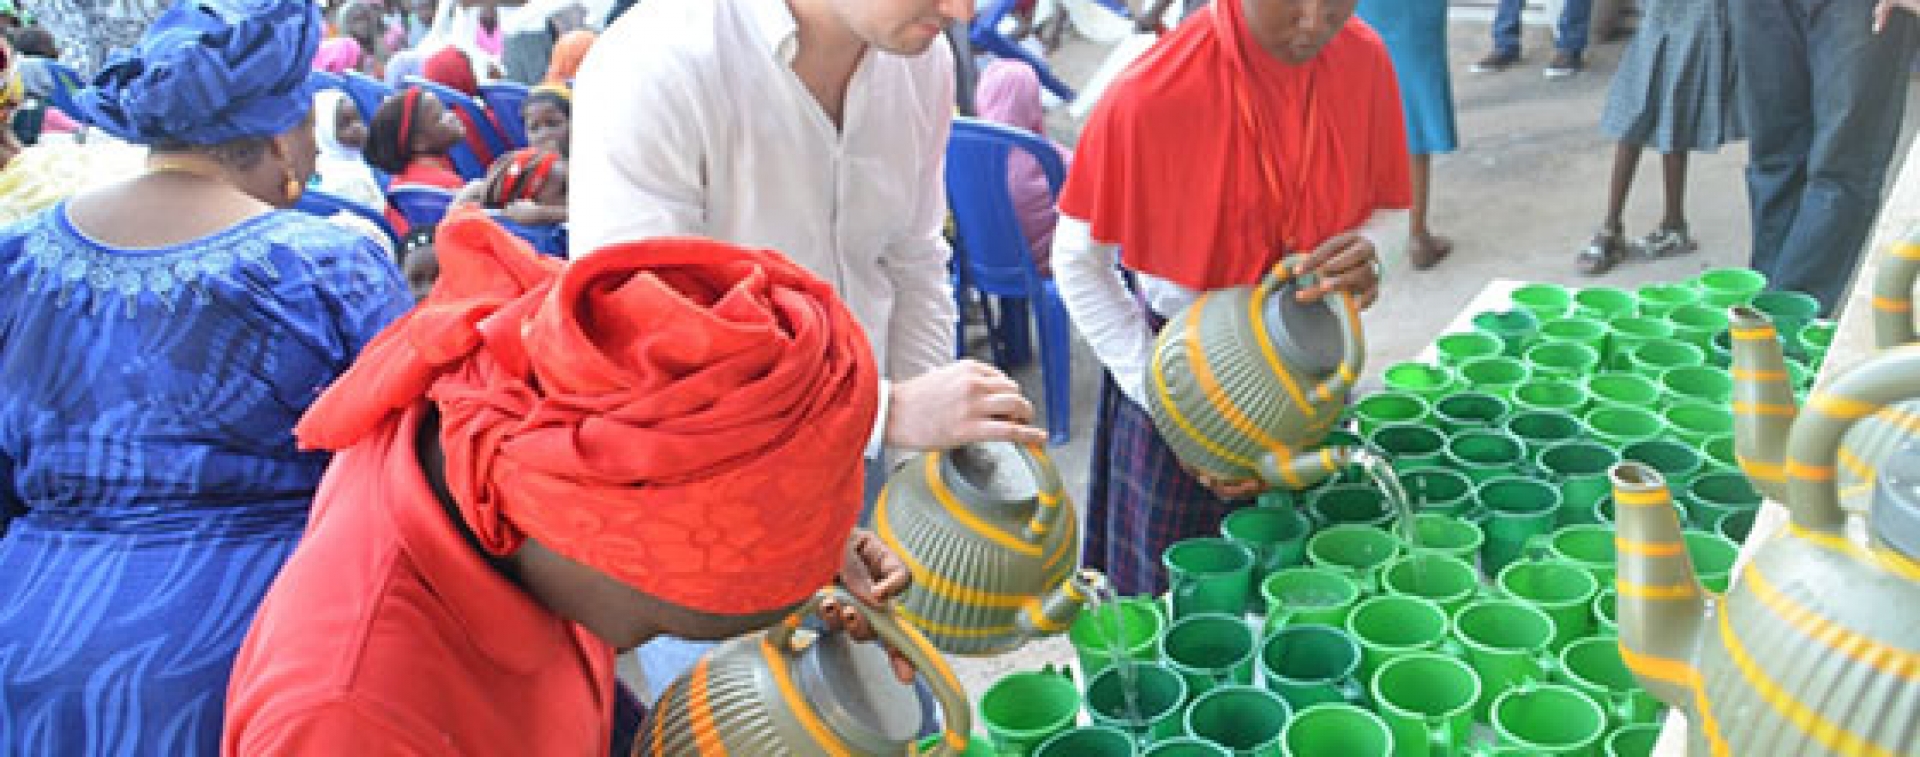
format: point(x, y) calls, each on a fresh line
point(1257, 130)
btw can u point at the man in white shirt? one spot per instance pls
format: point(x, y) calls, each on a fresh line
point(814, 127)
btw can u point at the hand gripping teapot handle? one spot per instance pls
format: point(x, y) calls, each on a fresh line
point(1353, 342)
point(956, 713)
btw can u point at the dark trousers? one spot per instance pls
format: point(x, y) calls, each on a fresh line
point(1823, 97)
point(1569, 34)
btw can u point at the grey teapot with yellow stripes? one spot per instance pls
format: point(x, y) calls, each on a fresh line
point(993, 544)
point(1816, 648)
point(789, 691)
point(1246, 382)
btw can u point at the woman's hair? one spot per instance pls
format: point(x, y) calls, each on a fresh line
point(389, 136)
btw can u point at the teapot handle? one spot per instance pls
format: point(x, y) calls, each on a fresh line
point(1353, 343)
point(957, 714)
point(1049, 509)
point(1893, 291)
point(1813, 446)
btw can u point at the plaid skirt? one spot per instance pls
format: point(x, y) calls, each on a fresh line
point(1139, 499)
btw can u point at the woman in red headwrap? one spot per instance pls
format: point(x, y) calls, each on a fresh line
point(452, 68)
point(1258, 130)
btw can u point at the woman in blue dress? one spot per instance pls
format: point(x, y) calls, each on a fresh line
point(1415, 32)
point(159, 337)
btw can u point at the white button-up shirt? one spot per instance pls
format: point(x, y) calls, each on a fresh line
point(690, 120)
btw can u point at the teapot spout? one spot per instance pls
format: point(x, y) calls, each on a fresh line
point(1305, 469)
point(1662, 606)
point(1763, 403)
point(1052, 614)
point(1893, 292)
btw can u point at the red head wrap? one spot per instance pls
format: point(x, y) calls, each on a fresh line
point(683, 415)
point(450, 67)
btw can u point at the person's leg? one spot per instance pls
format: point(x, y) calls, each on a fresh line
point(1506, 27)
point(1424, 249)
point(1673, 168)
point(1857, 111)
point(1770, 47)
point(1570, 33)
point(1626, 162)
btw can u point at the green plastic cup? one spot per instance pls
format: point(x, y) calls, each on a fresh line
point(1604, 303)
point(1701, 384)
point(1789, 310)
point(1276, 537)
point(1470, 409)
point(977, 746)
point(1697, 424)
point(1624, 335)
point(1657, 300)
point(1720, 351)
point(1089, 741)
point(1563, 591)
point(1545, 301)
point(1140, 627)
point(1445, 580)
point(1713, 557)
point(1589, 546)
point(1578, 330)
point(1719, 453)
point(1485, 454)
point(1393, 625)
point(1802, 377)
point(1336, 730)
point(1677, 462)
point(1312, 664)
point(1606, 618)
point(1506, 642)
point(1717, 494)
point(1209, 650)
point(1517, 509)
point(1618, 427)
point(1187, 746)
point(1494, 375)
point(1448, 535)
point(1515, 329)
point(1438, 490)
point(1379, 408)
point(1540, 429)
point(1735, 527)
point(1549, 719)
point(1726, 287)
point(1461, 346)
point(1814, 339)
point(1207, 575)
point(1655, 357)
point(1247, 720)
point(1428, 382)
point(1633, 741)
point(1561, 361)
point(1409, 446)
point(1355, 550)
point(1603, 511)
point(1427, 701)
point(1579, 468)
point(1321, 596)
point(1619, 389)
point(1593, 667)
point(1340, 504)
point(1698, 324)
point(1024, 709)
point(1160, 693)
point(1564, 396)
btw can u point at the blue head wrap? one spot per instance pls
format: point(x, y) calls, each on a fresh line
point(210, 71)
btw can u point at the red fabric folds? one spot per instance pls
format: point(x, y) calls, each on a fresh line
point(684, 415)
point(1211, 159)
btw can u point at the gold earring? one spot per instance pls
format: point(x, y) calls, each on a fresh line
point(293, 188)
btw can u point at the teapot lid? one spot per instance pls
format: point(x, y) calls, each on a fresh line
point(991, 472)
point(851, 685)
point(1895, 517)
point(1307, 335)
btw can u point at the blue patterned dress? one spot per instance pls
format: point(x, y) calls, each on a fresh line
point(150, 486)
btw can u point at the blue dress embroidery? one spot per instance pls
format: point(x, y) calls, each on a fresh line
point(150, 486)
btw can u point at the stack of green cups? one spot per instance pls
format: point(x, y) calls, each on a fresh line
point(1579, 468)
point(1208, 575)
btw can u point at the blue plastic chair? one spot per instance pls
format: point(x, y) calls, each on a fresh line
point(465, 161)
point(324, 205)
point(505, 99)
point(985, 34)
point(994, 258)
point(366, 93)
point(423, 207)
point(547, 239)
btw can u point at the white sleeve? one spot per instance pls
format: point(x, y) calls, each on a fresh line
point(1387, 230)
point(1107, 315)
point(920, 330)
point(637, 169)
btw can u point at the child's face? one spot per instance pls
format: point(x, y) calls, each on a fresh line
point(547, 126)
point(442, 129)
point(348, 130)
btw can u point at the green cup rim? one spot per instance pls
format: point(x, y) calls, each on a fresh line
point(1165, 747)
point(1055, 689)
point(1631, 730)
point(1221, 621)
point(1509, 366)
point(1054, 742)
point(1429, 606)
point(1613, 456)
point(1565, 658)
point(1665, 444)
point(1378, 686)
point(1409, 366)
point(1475, 396)
point(1589, 356)
point(1167, 557)
point(1653, 421)
point(1402, 427)
point(1598, 715)
point(1536, 385)
point(1720, 377)
point(1466, 484)
point(1316, 711)
point(1464, 526)
point(1626, 299)
point(1160, 670)
point(1480, 494)
point(1128, 605)
point(1696, 356)
point(1482, 605)
point(1461, 567)
point(1699, 316)
point(1358, 531)
point(1483, 338)
point(1585, 597)
point(1347, 586)
point(1731, 280)
point(1392, 395)
point(1571, 420)
point(1700, 409)
point(1472, 434)
point(1347, 642)
point(1241, 690)
point(1652, 387)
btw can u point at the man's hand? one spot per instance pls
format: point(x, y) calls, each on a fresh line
point(956, 404)
point(872, 573)
point(1345, 263)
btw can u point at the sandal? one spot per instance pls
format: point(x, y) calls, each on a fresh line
point(1604, 251)
point(1667, 242)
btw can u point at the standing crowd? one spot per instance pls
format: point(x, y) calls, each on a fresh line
point(284, 477)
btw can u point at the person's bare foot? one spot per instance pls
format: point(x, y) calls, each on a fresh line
point(1427, 250)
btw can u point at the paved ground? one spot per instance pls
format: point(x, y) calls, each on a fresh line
point(1520, 197)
